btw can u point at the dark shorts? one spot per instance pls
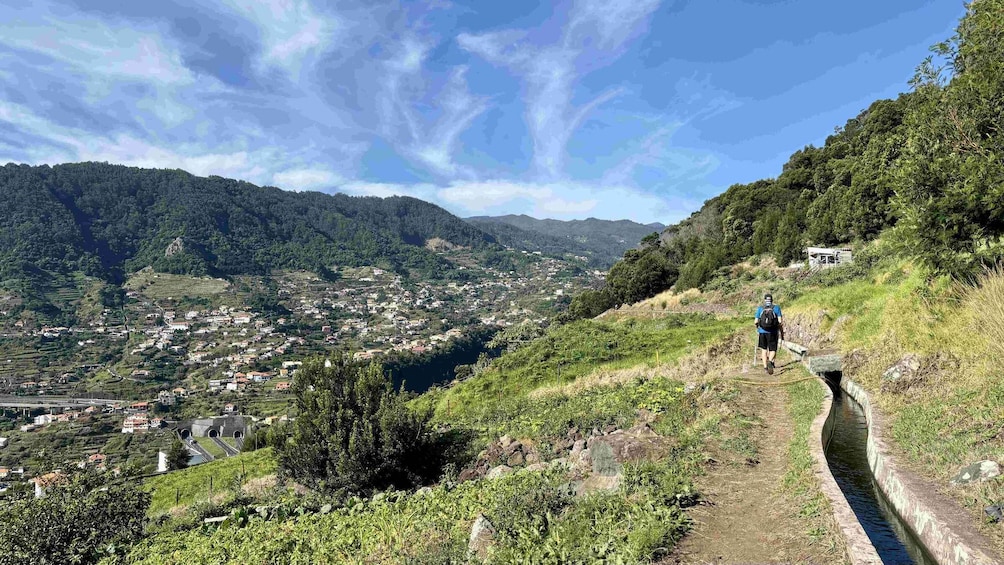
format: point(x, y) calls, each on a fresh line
point(768, 341)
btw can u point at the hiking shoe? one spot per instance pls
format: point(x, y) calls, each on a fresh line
point(770, 368)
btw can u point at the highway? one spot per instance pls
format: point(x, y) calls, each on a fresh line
point(54, 402)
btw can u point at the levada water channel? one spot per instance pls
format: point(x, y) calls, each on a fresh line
point(846, 454)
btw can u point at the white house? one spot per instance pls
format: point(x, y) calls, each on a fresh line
point(822, 257)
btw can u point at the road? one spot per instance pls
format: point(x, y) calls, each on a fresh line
point(53, 402)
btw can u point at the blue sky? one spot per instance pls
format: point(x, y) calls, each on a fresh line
point(638, 109)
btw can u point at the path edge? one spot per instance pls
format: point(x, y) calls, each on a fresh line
point(859, 548)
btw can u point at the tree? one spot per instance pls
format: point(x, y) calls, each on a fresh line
point(353, 432)
point(177, 456)
point(79, 522)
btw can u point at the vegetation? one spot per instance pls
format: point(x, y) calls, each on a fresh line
point(353, 432)
point(192, 485)
point(76, 522)
point(927, 163)
point(177, 456)
point(602, 241)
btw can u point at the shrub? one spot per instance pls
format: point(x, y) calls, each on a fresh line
point(353, 432)
point(74, 523)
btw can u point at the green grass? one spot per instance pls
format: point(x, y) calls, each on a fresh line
point(804, 401)
point(191, 485)
point(210, 446)
point(165, 285)
point(497, 401)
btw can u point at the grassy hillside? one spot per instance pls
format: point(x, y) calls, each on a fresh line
point(190, 486)
point(666, 374)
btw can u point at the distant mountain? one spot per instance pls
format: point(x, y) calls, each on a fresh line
point(603, 241)
point(108, 220)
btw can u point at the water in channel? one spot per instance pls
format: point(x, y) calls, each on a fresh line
point(846, 453)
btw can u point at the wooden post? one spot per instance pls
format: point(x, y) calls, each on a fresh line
point(177, 496)
point(210, 488)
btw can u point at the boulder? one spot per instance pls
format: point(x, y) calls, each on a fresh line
point(505, 441)
point(604, 462)
point(516, 459)
point(482, 537)
point(977, 472)
point(577, 448)
point(500, 471)
point(537, 467)
point(905, 368)
point(532, 457)
point(995, 513)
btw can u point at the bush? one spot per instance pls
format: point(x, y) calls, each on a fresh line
point(75, 523)
point(354, 433)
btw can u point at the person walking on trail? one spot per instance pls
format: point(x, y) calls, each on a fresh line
point(769, 329)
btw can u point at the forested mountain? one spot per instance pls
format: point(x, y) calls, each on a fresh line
point(604, 241)
point(927, 164)
point(526, 240)
point(107, 220)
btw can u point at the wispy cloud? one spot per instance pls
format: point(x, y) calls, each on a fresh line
point(291, 31)
point(431, 142)
point(551, 70)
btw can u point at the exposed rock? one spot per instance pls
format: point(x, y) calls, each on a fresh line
point(638, 443)
point(500, 471)
point(537, 467)
point(532, 457)
point(504, 441)
point(175, 247)
point(516, 459)
point(977, 472)
point(424, 491)
point(905, 368)
point(604, 462)
point(512, 448)
point(577, 448)
point(995, 513)
point(595, 483)
point(482, 537)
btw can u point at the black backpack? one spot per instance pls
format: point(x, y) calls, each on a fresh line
point(768, 319)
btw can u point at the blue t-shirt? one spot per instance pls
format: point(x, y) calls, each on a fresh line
point(759, 310)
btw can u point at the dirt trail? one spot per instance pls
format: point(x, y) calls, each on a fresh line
point(749, 518)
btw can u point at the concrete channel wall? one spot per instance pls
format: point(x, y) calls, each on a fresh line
point(940, 525)
point(860, 550)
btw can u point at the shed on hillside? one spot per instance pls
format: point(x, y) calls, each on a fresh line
point(822, 257)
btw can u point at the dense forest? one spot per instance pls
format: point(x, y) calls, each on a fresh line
point(603, 241)
point(928, 165)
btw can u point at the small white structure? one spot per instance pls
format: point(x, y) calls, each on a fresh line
point(823, 257)
point(3, 442)
point(161, 462)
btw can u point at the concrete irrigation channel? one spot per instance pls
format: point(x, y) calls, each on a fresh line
point(886, 513)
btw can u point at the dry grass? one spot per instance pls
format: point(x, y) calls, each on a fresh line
point(711, 362)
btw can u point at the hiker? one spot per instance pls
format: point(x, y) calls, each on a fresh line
point(769, 329)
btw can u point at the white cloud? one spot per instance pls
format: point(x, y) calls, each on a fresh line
point(291, 31)
point(595, 33)
point(97, 48)
point(561, 200)
point(305, 179)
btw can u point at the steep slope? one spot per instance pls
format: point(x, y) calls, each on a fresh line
point(108, 220)
point(604, 240)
